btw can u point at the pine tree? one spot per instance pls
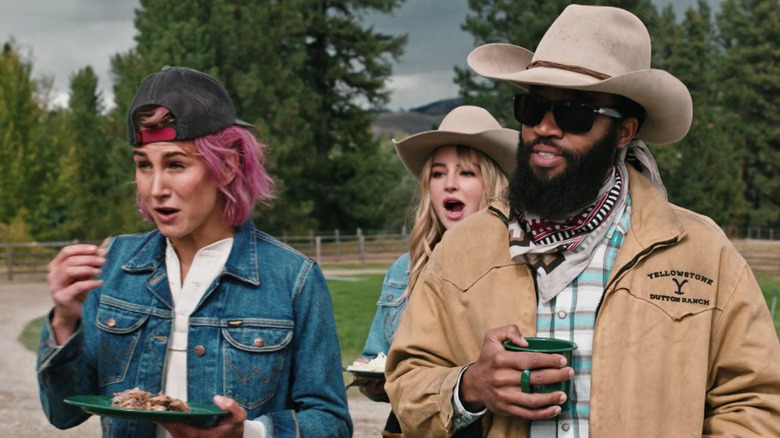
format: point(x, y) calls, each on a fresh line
point(298, 70)
point(91, 162)
point(345, 67)
point(706, 160)
point(749, 30)
point(28, 155)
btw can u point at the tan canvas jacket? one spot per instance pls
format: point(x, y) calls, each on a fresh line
point(683, 346)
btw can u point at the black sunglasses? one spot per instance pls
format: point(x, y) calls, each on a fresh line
point(570, 116)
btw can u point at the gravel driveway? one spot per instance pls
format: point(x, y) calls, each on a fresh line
point(20, 411)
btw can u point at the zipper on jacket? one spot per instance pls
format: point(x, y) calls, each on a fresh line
point(628, 266)
point(625, 268)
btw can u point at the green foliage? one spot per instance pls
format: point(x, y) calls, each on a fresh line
point(20, 117)
point(302, 70)
point(299, 70)
point(707, 160)
point(749, 88)
point(17, 230)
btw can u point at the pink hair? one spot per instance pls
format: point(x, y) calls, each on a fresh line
point(232, 151)
point(250, 181)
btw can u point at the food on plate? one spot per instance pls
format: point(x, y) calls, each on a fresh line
point(137, 398)
point(376, 365)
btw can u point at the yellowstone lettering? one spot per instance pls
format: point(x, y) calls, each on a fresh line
point(681, 274)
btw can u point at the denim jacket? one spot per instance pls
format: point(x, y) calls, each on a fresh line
point(390, 307)
point(263, 334)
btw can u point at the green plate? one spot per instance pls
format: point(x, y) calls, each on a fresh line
point(201, 414)
point(367, 374)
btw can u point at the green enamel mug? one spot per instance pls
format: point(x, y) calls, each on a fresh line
point(548, 346)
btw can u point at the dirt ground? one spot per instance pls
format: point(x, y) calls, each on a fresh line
point(20, 409)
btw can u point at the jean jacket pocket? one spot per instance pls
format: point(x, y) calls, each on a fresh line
point(119, 331)
point(254, 358)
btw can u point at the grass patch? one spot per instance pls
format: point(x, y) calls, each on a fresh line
point(354, 306)
point(770, 287)
point(356, 267)
point(31, 335)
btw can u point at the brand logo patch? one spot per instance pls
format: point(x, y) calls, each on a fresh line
point(680, 279)
point(679, 286)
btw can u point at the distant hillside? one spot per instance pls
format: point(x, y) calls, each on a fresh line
point(439, 107)
point(424, 118)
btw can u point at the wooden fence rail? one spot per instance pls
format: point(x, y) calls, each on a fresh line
point(31, 259)
point(27, 258)
point(23, 259)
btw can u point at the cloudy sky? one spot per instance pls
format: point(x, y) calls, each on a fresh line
point(62, 36)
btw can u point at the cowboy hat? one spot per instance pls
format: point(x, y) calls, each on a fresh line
point(596, 48)
point(465, 125)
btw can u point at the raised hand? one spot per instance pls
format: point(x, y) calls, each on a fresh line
point(71, 277)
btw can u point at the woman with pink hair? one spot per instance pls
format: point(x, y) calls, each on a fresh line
point(205, 308)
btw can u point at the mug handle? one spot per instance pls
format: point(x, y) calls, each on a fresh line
point(525, 381)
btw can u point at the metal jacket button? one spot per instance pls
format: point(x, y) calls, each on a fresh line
point(259, 342)
point(111, 322)
point(200, 350)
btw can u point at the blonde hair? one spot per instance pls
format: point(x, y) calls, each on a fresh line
point(428, 229)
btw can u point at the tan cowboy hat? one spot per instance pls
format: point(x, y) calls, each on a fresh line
point(596, 48)
point(465, 125)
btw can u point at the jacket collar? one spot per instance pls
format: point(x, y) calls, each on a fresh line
point(653, 219)
point(242, 263)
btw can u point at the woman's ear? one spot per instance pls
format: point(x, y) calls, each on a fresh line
point(231, 167)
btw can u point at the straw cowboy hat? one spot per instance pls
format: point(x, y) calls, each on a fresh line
point(465, 125)
point(596, 48)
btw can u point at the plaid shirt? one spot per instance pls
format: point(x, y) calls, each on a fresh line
point(570, 315)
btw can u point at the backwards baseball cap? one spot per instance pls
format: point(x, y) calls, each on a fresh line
point(200, 104)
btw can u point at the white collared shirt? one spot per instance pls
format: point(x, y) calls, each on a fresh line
point(186, 295)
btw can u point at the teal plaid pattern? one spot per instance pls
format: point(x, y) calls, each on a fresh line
point(571, 315)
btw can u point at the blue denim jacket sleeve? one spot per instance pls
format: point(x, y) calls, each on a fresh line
point(389, 309)
point(68, 369)
point(322, 412)
point(62, 371)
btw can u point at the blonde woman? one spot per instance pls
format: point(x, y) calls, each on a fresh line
point(462, 167)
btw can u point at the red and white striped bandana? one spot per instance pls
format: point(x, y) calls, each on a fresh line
point(559, 251)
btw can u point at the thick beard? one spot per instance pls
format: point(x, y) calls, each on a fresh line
point(570, 191)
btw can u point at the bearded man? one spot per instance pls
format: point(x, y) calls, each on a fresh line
point(674, 336)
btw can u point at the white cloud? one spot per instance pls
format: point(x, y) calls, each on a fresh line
point(413, 90)
point(64, 36)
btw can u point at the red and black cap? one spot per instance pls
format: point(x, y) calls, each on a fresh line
point(200, 104)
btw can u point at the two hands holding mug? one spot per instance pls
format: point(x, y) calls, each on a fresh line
point(495, 381)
